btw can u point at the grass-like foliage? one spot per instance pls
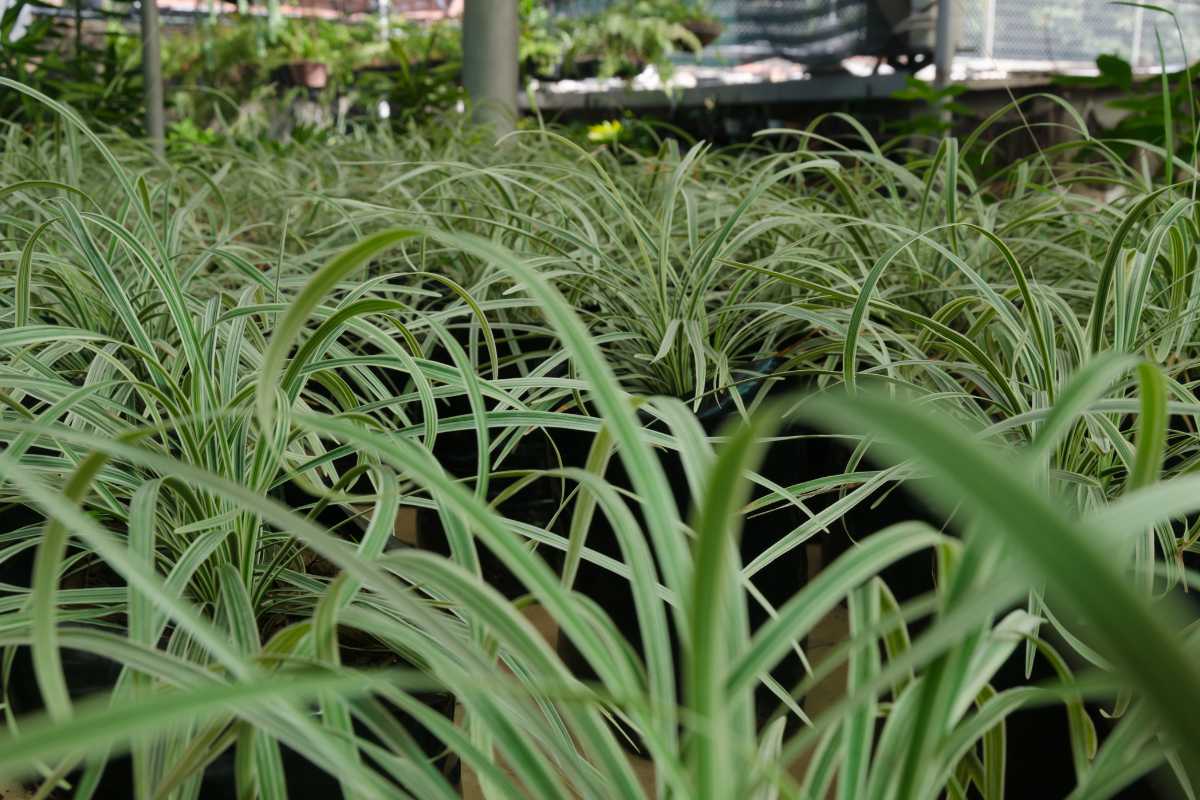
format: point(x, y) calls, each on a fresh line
point(224, 376)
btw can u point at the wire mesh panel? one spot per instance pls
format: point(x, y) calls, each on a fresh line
point(974, 35)
point(1187, 14)
point(1077, 31)
point(803, 30)
point(1059, 31)
point(811, 30)
point(1064, 30)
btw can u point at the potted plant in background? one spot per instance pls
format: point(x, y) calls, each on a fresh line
point(696, 17)
point(543, 42)
point(305, 54)
point(626, 37)
point(415, 75)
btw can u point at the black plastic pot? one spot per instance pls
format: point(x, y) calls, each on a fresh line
point(581, 68)
point(778, 582)
point(86, 674)
point(585, 67)
point(458, 453)
point(530, 69)
point(535, 504)
point(1039, 761)
point(90, 674)
point(802, 454)
point(18, 569)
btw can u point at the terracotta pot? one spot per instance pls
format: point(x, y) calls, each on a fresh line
point(311, 74)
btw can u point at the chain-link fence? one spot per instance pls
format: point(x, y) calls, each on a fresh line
point(1074, 31)
point(806, 31)
point(1065, 32)
point(802, 30)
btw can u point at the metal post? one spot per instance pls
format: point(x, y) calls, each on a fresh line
point(989, 29)
point(385, 19)
point(1139, 20)
point(945, 46)
point(944, 49)
point(490, 32)
point(152, 75)
point(78, 28)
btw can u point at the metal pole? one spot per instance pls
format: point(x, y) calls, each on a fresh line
point(385, 19)
point(945, 46)
point(989, 29)
point(1139, 17)
point(490, 31)
point(943, 54)
point(152, 75)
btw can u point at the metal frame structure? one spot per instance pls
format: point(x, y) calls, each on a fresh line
point(490, 52)
point(490, 73)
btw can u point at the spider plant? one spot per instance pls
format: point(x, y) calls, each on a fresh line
point(943, 723)
point(220, 399)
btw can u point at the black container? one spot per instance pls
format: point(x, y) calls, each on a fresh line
point(530, 69)
point(86, 674)
point(1039, 761)
point(535, 503)
point(90, 674)
point(581, 68)
point(800, 453)
point(778, 582)
point(17, 570)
